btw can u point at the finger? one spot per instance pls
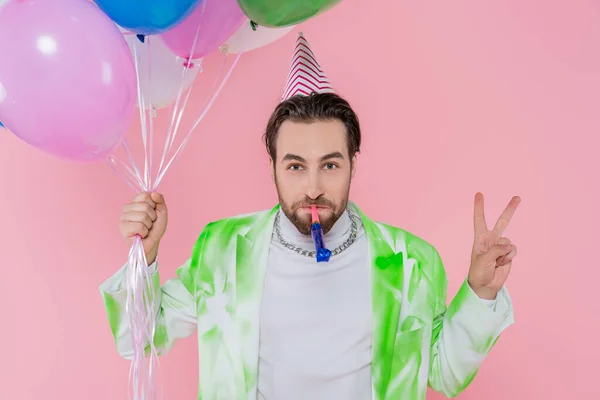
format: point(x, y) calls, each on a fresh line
point(507, 215)
point(144, 197)
point(501, 273)
point(478, 215)
point(138, 216)
point(504, 240)
point(136, 228)
point(509, 257)
point(140, 207)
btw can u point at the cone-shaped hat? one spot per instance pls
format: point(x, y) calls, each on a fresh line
point(306, 75)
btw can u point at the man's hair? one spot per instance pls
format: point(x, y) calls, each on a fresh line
point(316, 107)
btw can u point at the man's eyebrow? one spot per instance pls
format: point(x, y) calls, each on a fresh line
point(295, 157)
point(335, 154)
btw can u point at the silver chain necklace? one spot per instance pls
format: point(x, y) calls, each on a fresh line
point(312, 253)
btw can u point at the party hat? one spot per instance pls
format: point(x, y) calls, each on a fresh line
point(306, 75)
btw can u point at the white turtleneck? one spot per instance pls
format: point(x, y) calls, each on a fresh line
point(315, 332)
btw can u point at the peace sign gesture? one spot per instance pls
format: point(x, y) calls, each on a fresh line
point(492, 255)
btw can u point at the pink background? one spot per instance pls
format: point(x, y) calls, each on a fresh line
point(454, 97)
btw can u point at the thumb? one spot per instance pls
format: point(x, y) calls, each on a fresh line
point(497, 251)
point(157, 198)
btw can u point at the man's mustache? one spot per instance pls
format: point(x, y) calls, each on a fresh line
point(316, 202)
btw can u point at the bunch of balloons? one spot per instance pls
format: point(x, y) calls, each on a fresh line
point(68, 80)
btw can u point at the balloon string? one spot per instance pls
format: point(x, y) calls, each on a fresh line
point(140, 99)
point(173, 127)
point(136, 170)
point(200, 118)
point(214, 97)
point(142, 108)
point(178, 120)
point(140, 306)
point(142, 319)
point(150, 152)
point(125, 176)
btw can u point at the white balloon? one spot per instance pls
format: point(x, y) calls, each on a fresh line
point(161, 82)
point(246, 39)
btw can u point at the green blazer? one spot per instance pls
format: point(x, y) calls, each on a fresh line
point(417, 340)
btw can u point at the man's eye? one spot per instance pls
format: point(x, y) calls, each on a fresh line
point(295, 167)
point(330, 166)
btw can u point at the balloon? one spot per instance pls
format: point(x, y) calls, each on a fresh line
point(162, 83)
point(246, 38)
point(276, 13)
point(69, 87)
point(1, 125)
point(148, 17)
point(213, 22)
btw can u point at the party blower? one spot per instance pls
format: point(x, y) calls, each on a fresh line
point(323, 253)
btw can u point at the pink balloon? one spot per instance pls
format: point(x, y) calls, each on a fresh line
point(67, 79)
point(213, 20)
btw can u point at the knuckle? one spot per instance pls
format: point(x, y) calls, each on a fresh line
point(143, 198)
point(134, 228)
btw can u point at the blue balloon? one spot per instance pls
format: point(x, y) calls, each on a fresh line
point(1, 125)
point(148, 17)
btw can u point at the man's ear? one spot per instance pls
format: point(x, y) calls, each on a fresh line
point(353, 160)
point(272, 169)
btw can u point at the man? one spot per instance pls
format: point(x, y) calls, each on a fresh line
point(272, 323)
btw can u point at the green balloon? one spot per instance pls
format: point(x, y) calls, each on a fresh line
point(278, 13)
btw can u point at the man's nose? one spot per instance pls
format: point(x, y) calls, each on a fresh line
point(314, 188)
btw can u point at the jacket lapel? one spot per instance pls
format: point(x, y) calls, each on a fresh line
point(387, 279)
point(252, 251)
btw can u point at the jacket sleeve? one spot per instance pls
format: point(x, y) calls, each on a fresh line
point(173, 306)
point(463, 333)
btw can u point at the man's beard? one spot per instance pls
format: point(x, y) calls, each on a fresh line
point(304, 222)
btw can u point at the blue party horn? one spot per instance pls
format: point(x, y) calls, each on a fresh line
point(323, 253)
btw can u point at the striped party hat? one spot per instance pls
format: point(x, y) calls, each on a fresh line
point(306, 75)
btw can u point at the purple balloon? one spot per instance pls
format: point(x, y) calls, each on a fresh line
point(213, 20)
point(67, 78)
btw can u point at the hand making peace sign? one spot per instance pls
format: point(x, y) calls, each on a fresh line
point(492, 255)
